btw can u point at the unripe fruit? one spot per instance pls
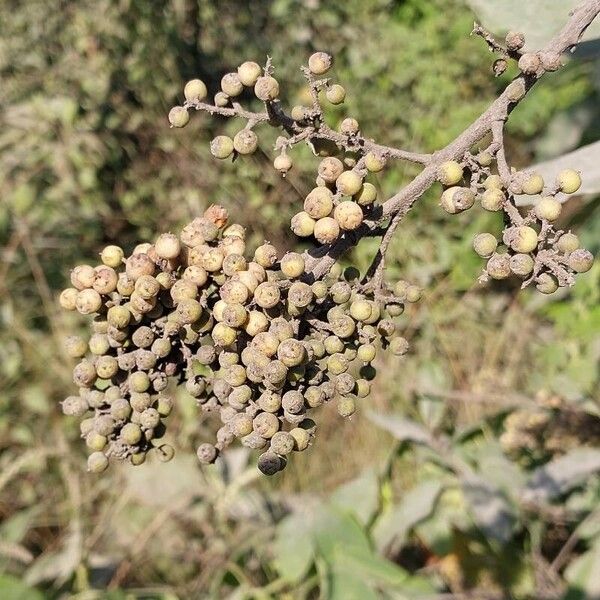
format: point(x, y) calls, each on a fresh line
point(336, 94)
point(120, 409)
point(112, 256)
point(457, 199)
point(97, 462)
point(106, 367)
point(551, 61)
point(366, 195)
point(223, 335)
point(546, 283)
point(326, 230)
point(88, 302)
point(493, 182)
point(348, 214)
point(125, 285)
point(241, 425)
point(167, 246)
point(282, 443)
point(581, 260)
point(249, 72)
point(450, 173)
point(131, 433)
point(515, 90)
point(178, 116)
point(349, 126)
point(319, 63)
point(266, 88)
point(363, 388)
point(75, 406)
point(548, 208)
point(164, 453)
point(301, 438)
point(245, 141)
point(375, 162)
point(346, 407)
point(349, 183)
point(522, 239)
point(568, 242)
point(231, 84)
point(221, 99)
point(366, 353)
point(83, 276)
point(267, 295)
point(484, 159)
point(300, 294)
point(206, 454)
point(188, 311)
point(68, 299)
point(265, 255)
point(568, 181)
point(221, 147)
point(138, 265)
point(75, 346)
point(492, 199)
point(515, 40)
point(292, 265)
point(521, 264)
point(399, 346)
point(533, 184)
point(529, 63)
point(265, 424)
point(319, 203)
point(291, 352)
point(282, 163)
point(269, 463)
point(337, 363)
point(302, 224)
point(498, 266)
point(485, 244)
point(330, 169)
point(320, 289)
point(257, 323)
point(195, 90)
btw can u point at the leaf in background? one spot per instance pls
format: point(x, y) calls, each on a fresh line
point(359, 496)
point(583, 575)
point(584, 159)
point(416, 505)
point(562, 474)
point(402, 429)
point(293, 547)
point(491, 511)
point(12, 588)
point(539, 20)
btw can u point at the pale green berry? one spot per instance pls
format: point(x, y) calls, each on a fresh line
point(548, 209)
point(249, 72)
point(522, 239)
point(568, 181)
point(336, 94)
point(568, 242)
point(546, 283)
point(319, 63)
point(366, 195)
point(195, 90)
point(581, 260)
point(349, 183)
point(450, 173)
point(533, 184)
point(302, 224)
point(231, 84)
point(348, 215)
point(492, 199)
point(221, 147)
point(266, 88)
point(245, 141)
point(375, 162)
point(178, 116)
point(485, 244)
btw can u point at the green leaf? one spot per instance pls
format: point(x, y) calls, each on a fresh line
point(359, 496)
point(562, 474)
point(12, 588)
point(293, 547)
point(416, 505)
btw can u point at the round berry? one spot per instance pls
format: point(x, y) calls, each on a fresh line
point(450, 173)
point(195, 90)
point(178, 116)
point(231, 84)
point(546, 283)
point(348, 214)
point(349, 126)
point(485, 244)
point(498, 266)
point(319, 63)
point(112, 256)
point(292, 265)
point(521, 264)
point(548, 209)
point(336, 94)
point(206, 454)
point(492, 199)
point(221, 147)
point(568, 181)
point(515, 90)
point(282, 163)
point(581, 260)
point(97, 462)
point(245, 141)
point(302, 224)
point(515, 40)
point(533, 184)
point(269, 463)
point(522, 239)
point(529, 63)
point(266, 88)
point(567, 242)
point(249, 72)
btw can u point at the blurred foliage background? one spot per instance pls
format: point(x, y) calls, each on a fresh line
point(486, 483)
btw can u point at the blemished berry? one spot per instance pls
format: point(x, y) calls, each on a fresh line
point(221, 99)
point(178, 116)
point(522, 239)
point(266, 424)
point(249, 72)
point(330, 169)
point(515, 40)
point(245, 141)
point(399, 346)
point(515, 90)
point(546, 283)
point(529, 63)
point(206, 454)
point(348, 214)
point(139, 264)
point(568, 181)
point(346, 406)
point(349, 183)
point(83, 276)
point(457, 199)
point(75, 406)
point(97, 462)
point(106, 367)
point(221, 147)
point(195, 90)
point(551, 61)
point(498, 266)
point(413, 293)
point(450, 173)
point(533, 184)
point(112, 256)
point(521, 264)
point(581, 260)
point(548, 208)
point(269, 463)
point(300, 294)
point(319, 63)
point(282, 163)
point(349, 126)
point(231, 84)
point(266, 88)
point(492, 199)
point(302, 224)
point(366, 195)
point(164, 452)
point(326, 230)
point(299, 113)
point(292, 265)
point(567, 242)
point(68, 299)
point(485, 244)
point(336, 94)
point(282, 443)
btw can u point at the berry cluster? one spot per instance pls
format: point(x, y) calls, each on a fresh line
point(254, 340)
point(531, 247)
